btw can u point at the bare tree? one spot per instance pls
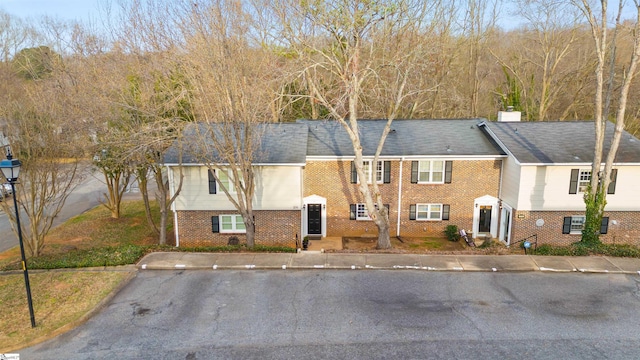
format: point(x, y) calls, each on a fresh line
point(595, 197)
point(479, 24)
point(543, 60)
point(233, 79)
point(362, 50)
point(39, 138)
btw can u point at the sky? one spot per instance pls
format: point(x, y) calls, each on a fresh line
point(63, 9)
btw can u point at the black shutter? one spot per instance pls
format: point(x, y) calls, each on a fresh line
point(566, 226)
point(354, 173)
point(612, 185)
point(573, 184)
point(352, 212)
point(215, 224)
point(448, 165)
point(212, 182)
point(604, 225)
point(412, 212)
point(445, 212)
point(386, 167)
point(414, 172)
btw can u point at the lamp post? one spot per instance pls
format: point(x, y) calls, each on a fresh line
point(10, 169)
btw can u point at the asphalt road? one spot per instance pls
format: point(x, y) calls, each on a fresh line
point(361, 314)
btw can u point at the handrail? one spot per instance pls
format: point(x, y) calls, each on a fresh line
point(534, 242)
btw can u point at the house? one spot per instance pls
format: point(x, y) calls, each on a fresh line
point(203, 214)
point(507, 180)
point(546, 174)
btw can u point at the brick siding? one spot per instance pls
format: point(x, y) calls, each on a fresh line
point(626, 231)
point(470, 179)
point(273, 227)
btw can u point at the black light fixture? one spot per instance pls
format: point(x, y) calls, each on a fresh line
point(11, 169)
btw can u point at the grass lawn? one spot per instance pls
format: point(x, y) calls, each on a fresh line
point(61, 300)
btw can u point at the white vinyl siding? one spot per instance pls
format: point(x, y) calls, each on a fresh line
point(279, 188)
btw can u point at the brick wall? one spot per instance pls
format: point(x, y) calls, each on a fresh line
point(470, 179)
point(273, 227)
point(626, 231)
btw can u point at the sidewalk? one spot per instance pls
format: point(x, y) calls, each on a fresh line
point(319, 260)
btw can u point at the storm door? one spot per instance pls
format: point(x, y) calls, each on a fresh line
point(314, 217)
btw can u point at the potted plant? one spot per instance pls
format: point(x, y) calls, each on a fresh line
point(305, 243)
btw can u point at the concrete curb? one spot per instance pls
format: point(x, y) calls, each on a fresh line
point(339, 261)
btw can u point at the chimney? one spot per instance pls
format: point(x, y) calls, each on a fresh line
point(509, 115)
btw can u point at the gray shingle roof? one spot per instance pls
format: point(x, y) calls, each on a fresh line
point(408, 138)
point(280, 143)
point(553, 142)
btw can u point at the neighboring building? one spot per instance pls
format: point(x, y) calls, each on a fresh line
point(546, 174)
point(505, 180)
point(203, 214)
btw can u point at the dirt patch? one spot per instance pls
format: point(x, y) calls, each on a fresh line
point(421, 245)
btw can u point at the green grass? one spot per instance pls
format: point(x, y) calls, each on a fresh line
point(94, 239)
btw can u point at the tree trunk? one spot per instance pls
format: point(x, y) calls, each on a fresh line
point(384, 240)
point(251, 230)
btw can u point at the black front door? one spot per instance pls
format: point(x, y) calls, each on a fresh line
point(485, 219)
point(314, 225)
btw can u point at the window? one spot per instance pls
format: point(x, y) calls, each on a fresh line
point(573, 224)
point(232, 224)
point(381, 173)
point(431, 172)
point(226, 181)
point(584, 178)
point(580, 179)
point(359, 211)
point(428, 211)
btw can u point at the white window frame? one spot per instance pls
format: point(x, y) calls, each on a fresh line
point(577, 224)
point(361, 212)
point(427, 211)
point(236, 220)
point(427, 167)
point(366, 165)
point(584, 179)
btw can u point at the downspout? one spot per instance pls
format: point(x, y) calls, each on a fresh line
point(173, 205)
point(399, 198)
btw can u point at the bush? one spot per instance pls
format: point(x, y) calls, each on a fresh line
point(452, 232)
point(579, 249)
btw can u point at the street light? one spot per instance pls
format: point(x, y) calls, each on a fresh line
point(10, 169)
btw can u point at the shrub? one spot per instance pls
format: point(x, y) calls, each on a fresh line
point(452, 232)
